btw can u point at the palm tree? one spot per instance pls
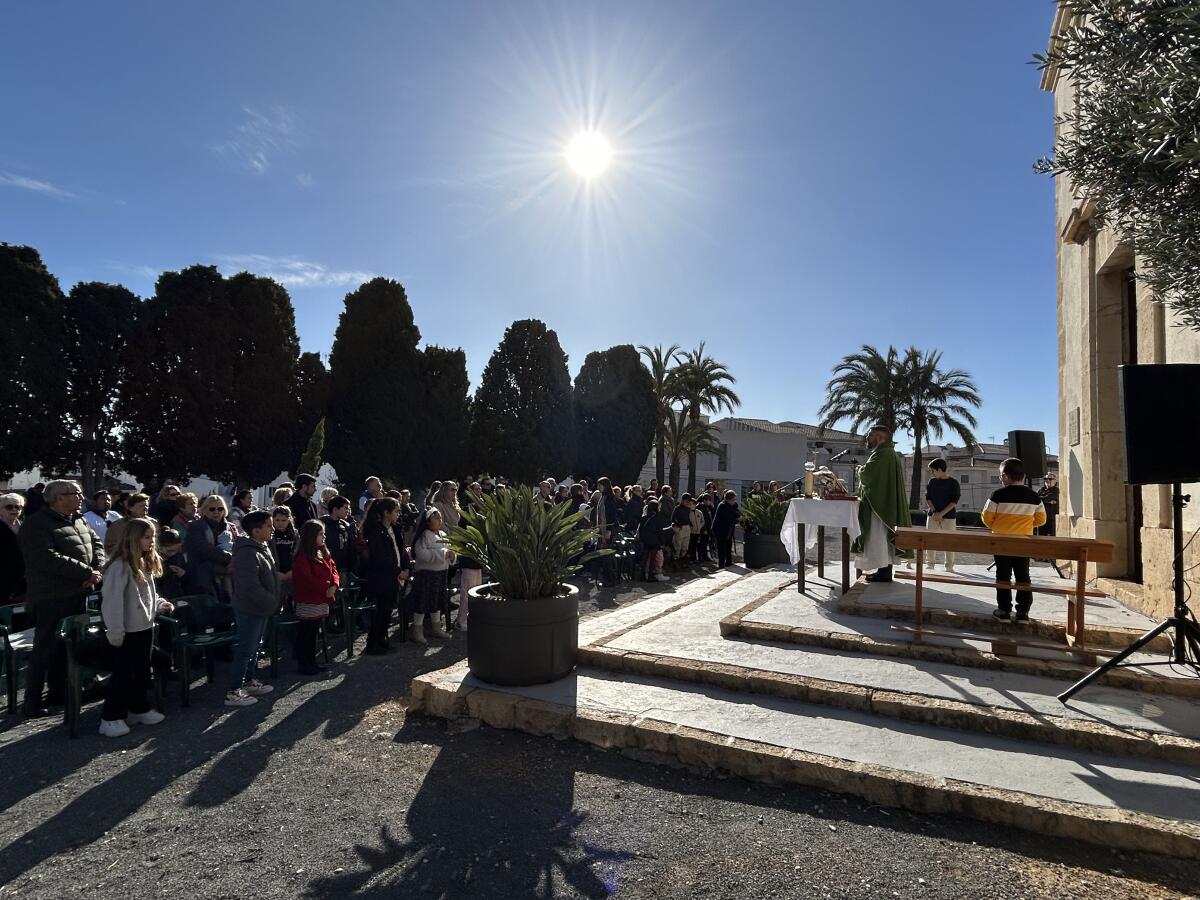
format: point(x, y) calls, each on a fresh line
point(867, 387)
point(684, 437)
point(703, 385)
point(937, 401)
point(661, 364)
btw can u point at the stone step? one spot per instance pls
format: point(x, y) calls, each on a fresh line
point(1146, 805)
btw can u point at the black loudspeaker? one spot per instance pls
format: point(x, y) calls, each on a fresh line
point(1162, 430)
point(1030, 448)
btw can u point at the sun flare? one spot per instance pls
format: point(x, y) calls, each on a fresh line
point(589, 153)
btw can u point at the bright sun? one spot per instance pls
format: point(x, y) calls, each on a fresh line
point(589, 153)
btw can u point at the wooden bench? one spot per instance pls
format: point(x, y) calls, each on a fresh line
point(1081, 551)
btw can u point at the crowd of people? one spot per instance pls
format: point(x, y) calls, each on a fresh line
point(138, 554)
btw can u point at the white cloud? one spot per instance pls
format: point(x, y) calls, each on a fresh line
point(293, 272)
point(306, 179)
point(8, 179)
point(260, 140)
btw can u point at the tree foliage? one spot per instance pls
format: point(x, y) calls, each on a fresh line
point(441, 416)
point(867, 388)
point(522, 425)
point(661, 364)
point(374, 371)
point(615, 418)
point(703, 384)
point(33, 392)
point(100, 320)
point(683, 437)
point(310, 459)
point(1131, 142)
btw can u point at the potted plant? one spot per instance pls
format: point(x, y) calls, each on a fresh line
point(762, 516)
point(525, 622)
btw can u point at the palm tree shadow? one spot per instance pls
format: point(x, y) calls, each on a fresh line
point(456, 848)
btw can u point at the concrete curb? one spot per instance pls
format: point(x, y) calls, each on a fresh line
point(442, 694)
point(1078, 733)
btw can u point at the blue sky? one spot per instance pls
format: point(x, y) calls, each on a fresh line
point(790, 180)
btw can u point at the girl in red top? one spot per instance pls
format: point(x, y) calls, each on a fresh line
point(314, 585)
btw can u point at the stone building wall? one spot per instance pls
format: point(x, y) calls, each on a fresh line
point(1098, 318)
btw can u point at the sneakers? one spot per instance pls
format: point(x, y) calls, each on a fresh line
point(416, 635)
point(950, 570)
point(1021, 617)
point(661, 577)
point(439, 631)
point(149, 717)
point(256, 688)
point(113, 728)
point(1000, 614)
point(239, 698)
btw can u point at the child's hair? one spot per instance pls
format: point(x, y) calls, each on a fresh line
point(254, 520)
point(143, 564)
point(337, 503)
point(731, 495)
point(1013, 468)
point(686, 497)
point(651, 508)
point(938, 465)
point(281, 511)
point(376, 509)
point(169, 537)
point(425, 524)
point(307, 545)
point(281, 495)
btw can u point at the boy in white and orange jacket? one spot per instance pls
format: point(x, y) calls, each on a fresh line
point(1013, 509)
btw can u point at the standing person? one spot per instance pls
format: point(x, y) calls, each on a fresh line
point(1049, 497)
point(137, 506)
point(35, 498)
point(681, 521)
point(1013, 509)
point(301, 503)
point(283, 540)
point(327, 494)
point(432, 560)
point(654, 486)
point(446, 502)
point(884, 506)
point(171, 584)
point(243, 502)
point(209, 548)
point(724, 523)
point(129, 605)
point(282, 494)
point(650, 535)
point(384, 569)
point(707, 511)
point(12, 565)
point(255, 600)
point(430, 495)
point(666, 501)
point(941, 502)
point(373, 491)
point(165, 504)
point(315, 584)
point(63, 561)
point(409, 517)
point(186, 515)
point(633, 509)
point(341, 534)
point(101, 514)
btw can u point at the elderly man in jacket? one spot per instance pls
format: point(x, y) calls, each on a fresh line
point(63, 560)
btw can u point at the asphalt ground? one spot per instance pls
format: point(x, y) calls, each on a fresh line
point(327, 789)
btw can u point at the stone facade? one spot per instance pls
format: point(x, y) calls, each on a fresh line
point(1107, 318)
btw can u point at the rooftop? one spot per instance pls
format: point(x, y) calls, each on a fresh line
point(767, 427)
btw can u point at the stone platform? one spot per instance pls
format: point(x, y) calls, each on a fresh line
point(670, 676)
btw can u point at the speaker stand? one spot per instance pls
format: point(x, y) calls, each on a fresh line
point(1182, 625)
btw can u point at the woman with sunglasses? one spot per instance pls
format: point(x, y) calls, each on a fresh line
point(166, 505)
point(12, 565)
point(209, 548)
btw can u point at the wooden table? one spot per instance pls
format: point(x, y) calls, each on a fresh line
point(1081, 551)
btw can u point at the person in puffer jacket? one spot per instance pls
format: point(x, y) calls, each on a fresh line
point(255, 599)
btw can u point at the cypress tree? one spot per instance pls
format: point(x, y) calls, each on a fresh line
point(614, 414)
point(374, 372)
point(99, 325)
point(522, 426)
point(33, 392)
point(441, 417)
point(310, 460)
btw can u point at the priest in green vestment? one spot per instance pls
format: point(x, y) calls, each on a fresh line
point(883, 506)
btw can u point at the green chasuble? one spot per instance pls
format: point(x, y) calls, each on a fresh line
point(881, 490)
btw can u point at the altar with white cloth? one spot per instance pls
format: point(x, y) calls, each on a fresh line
point(798, 533)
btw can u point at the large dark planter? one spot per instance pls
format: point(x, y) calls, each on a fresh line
point(519, 642)
point(760, 550)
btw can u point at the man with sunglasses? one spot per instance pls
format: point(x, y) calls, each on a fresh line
point(12, 566)
point(63, 560)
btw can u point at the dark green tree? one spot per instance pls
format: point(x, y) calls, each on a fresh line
point(310, 460)
point(441, 415)
point(1130, 143)
point(100, 321)
point(522, 426)
point(615, 414)
point(33, 392)
point(374, 369)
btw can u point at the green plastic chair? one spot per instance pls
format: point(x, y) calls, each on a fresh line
point(14, 618)
point(287, 619)
point(189, 636)
point(351, 602)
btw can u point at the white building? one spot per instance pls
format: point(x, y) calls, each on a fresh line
point(977, 469)
point(758, 450)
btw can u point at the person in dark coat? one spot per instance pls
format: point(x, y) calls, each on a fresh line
point(724, 522)
point(650, 536)
point(209, 548)
point(1049, 497)
point(63, 562)
point(633, 509)
point(301, 503)
point(34, 499)
point(341, 532)
point(12, 565)
point(385, 569)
